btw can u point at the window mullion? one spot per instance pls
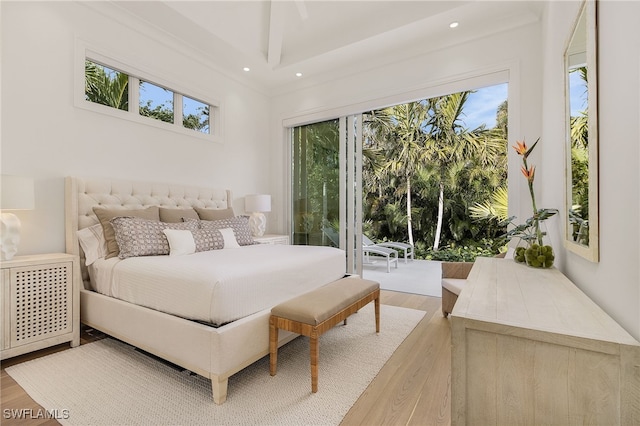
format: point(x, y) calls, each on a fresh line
point(177, 109)
point(134, 95)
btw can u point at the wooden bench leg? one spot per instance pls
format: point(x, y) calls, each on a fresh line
point(376, 304)
point(273, 346)
point(315, 354)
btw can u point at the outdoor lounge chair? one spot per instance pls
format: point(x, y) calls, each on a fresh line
point(390, 255)
point(407, 248)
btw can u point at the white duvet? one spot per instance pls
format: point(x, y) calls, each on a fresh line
point(219, 286)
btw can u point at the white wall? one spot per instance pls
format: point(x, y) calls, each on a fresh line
point(614, 282)
point(45, 136)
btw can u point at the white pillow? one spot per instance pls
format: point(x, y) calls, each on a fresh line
point(229, 238)
point(93, 243)
point(181, 241)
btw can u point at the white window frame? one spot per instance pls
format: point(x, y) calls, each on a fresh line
point(84, 52)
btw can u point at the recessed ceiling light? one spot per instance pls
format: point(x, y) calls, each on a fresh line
point(246, 69)
point(298, 74)
point(453, 24)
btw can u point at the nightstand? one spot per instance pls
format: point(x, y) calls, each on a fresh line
point(272, 239)
point(39, 303)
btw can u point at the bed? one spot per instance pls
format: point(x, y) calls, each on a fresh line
point(222, 325)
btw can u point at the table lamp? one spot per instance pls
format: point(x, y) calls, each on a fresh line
point(17, 194)
point(256, 204)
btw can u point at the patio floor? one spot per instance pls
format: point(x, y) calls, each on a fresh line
point(416, 276)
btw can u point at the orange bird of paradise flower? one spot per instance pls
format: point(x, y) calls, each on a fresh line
point(529, 173)
point(521, 147)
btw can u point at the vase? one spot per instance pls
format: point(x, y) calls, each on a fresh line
point(539, 253)
point(539, 256)
point(518, 254)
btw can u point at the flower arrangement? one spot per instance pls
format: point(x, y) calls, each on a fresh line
point(535, 253)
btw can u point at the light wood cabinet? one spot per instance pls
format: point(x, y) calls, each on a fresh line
point(528, 347)
point(39, 303)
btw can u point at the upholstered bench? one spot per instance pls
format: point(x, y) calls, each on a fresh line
point(316, 312)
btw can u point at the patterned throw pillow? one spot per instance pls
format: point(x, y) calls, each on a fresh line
point(207, 239)
point(106, 214)
point(143, 237)
point(239, 224)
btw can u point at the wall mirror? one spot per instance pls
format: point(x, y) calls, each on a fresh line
point(582, 135)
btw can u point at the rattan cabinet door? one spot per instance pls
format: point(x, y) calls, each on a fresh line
point(41, 302)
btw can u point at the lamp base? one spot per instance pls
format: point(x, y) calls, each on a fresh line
point(257, 224)
point(9, 235)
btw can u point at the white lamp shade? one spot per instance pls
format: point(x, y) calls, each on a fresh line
point(17, 193)
point(257, 203)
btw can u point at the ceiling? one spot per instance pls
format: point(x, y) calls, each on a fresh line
point(322, 39)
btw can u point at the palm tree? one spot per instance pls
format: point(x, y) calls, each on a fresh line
point(579, 124)
point(398, 130)
point(450, 145)
point(104, 87)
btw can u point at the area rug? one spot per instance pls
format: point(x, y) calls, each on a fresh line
point(416, 276)
point(108, 382)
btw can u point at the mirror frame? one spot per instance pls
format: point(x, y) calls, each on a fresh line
point(591, 252)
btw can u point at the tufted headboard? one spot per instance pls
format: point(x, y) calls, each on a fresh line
point(82, 194)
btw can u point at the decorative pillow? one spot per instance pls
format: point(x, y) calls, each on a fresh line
point(180, 241)
point(214, 214)
point(239, 224)
point(229, 238)
point(176, 215)
point(143, 237)
point(105, 215)
point(93, 243)
point(208, 239)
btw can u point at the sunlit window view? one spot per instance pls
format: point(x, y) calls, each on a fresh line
point(195, 115)
point(110, 87)
point(106, 86)
point(156, 102)
point(434, 175)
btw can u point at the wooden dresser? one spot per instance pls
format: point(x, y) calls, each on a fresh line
point(529, 347)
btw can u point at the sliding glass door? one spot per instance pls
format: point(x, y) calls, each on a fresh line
point(315, 183)
point(326, 186)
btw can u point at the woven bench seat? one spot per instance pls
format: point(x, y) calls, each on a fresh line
point(314, 313)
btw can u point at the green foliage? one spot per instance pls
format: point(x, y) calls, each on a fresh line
point(466, 252)
point(159, 112)
point(497, 207)
point(421, 152)
point(529, 231)
point(105, 86)
point(199, 122)
point(315, 181)
point(579, 211)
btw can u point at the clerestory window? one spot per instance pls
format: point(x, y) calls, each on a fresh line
point(111, 87)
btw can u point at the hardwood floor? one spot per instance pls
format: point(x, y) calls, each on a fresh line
point(413, 388)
